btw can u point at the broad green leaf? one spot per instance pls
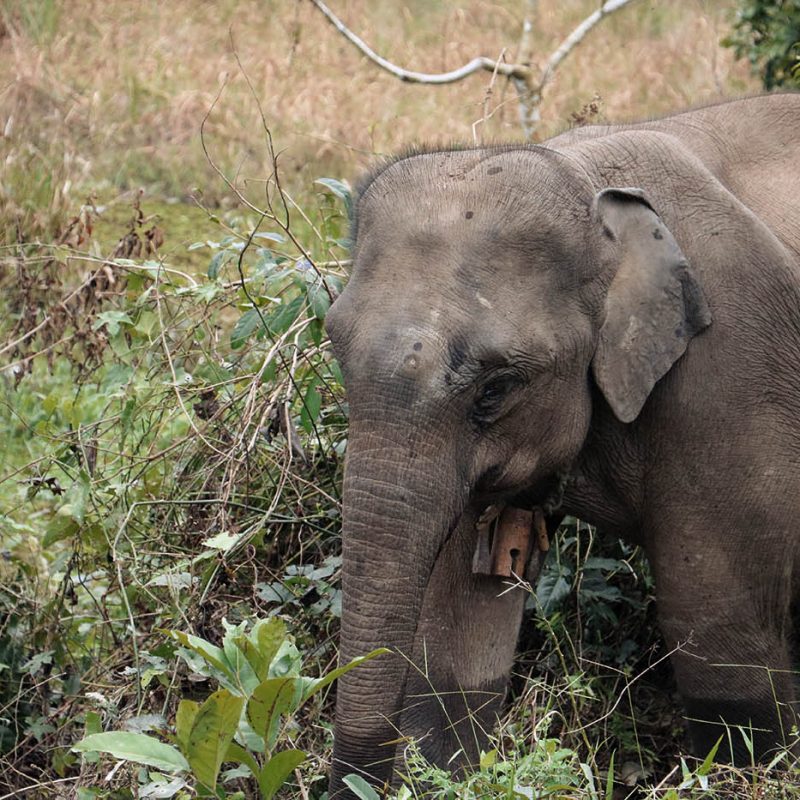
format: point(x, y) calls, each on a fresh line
point(273, 237)
point(488, 759)
point(58, 528)
point(312, 403)
point(281, 320)
point(271, 699)
point(223, 541)
point(360, 788)
point(551, 590)
point(137, 747)
point(212, 731)
point(112, 320)
point(287, 661)
point(92, 723)
point(247, 324)
point(262, 643)
point(218, 261)
point(213, 655)
point(277, 770)
point(184, 720)
point(241, 756)
point(319, 299)
point(322, 682)
point(246, 677)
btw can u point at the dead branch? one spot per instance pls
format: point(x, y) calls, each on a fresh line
point(529, 86)
point(477, 64)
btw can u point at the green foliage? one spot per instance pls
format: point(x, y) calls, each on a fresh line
point(767, 33)
point(259, 670)
point(542, 768)
point(155, 448)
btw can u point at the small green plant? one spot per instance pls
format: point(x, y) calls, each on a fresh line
point(516, 768)
point(260, 686)
point(767, 33)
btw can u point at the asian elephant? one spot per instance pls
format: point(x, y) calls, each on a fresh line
point(616, 312)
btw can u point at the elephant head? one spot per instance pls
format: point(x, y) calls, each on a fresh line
point(492, 293)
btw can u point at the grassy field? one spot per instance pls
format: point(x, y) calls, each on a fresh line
point(172, 422)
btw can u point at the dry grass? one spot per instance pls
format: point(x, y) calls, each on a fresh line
point(107, 95)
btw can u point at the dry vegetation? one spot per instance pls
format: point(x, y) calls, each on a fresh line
point(110, 95)
point(130, 396)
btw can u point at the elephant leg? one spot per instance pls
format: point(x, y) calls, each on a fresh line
point(463, 653)
point(727, 617)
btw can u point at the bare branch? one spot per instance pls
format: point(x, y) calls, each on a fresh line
point(529, 88)
point(479, 63)
point(576, 37)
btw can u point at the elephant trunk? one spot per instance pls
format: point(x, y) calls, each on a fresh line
point(398, 511)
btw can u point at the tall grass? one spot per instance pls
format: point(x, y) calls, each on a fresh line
point(108, 95)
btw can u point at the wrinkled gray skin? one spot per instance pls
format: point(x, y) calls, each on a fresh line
point(622, 306)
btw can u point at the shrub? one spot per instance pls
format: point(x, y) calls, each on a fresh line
point(767, 32)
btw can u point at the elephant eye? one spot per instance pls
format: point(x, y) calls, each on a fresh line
point(491, 395)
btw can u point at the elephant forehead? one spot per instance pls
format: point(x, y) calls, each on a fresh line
point(505, 183)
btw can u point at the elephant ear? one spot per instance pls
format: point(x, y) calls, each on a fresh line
point(654, 304)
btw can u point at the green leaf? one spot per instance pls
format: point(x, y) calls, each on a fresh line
point(322, 682)
point(112, 320)
point(247, 324)
point(213, 655)
point(58, 528)
point(223, 541)
point(217, 262)
point(271, 699)
point(184, 720)
point(277, 770)
point(262, 643)
point(312, 402)
point(246, 677)
point(280, 321)
point(137, 747)
point(610, 779)
point(241, 756)
point(287, 661)
point(319, 299)
point(340, 189)
point(360, 788)
point(212, 731)
point(705, 767)
point(273, 237)
point(92, 723)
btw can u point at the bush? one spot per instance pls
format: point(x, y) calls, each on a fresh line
point(767, 32)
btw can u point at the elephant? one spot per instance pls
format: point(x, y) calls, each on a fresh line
point(611, 317)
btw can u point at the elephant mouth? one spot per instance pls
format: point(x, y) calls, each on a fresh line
point(511, 529)
point(510, 542)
